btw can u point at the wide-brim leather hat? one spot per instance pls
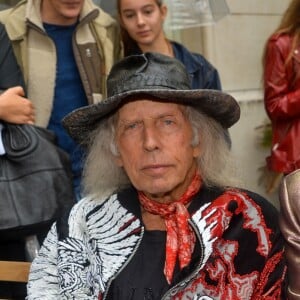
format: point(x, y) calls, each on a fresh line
point(160, 77)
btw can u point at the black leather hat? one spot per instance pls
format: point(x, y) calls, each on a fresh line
point(162, 78)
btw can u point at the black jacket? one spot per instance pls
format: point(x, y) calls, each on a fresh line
point(240, 252)
point(10, 73)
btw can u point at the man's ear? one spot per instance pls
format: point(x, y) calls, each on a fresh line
point(118, 161)
point(197, 150)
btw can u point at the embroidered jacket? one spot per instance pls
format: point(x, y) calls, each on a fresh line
point(242, 249)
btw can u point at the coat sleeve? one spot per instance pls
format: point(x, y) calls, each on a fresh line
point(213, 81)
point(281, 101)
point(10, 72)
point(43, 277)
point(207, 76)
point(272, 279)
point(290, 227)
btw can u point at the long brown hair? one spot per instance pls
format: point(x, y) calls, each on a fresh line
point(290, 24)
point(130, 45)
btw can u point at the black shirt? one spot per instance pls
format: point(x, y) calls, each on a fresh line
point(143, 277)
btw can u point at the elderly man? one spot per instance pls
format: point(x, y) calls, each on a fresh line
point(159, 220)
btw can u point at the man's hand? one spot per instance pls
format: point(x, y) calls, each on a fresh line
point(15, 108)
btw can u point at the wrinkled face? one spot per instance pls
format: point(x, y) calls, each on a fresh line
point(142, 19)
point(154, 144)
point(61, 12)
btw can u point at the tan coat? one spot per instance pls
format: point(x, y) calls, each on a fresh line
point(290, 227)
point(97, 46)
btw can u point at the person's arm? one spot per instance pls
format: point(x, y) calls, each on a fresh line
point(15, 108)
point(272, 280)
point(213, 80)
point(61, 269)
point(281, 102)
point(271, 277)
point(43, 278)
point(290, 227)
point(206, 76)
point(10, 72)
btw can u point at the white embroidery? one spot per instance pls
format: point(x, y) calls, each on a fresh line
point(101, 238)
point(205, 231)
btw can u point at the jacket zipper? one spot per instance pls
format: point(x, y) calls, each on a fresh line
point(82, 73)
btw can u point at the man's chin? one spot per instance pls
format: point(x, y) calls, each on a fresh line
point(157, 193)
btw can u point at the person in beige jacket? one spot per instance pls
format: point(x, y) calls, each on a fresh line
point(290, 227)
point(65, 51)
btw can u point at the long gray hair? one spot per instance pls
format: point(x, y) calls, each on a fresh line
point(215, 164)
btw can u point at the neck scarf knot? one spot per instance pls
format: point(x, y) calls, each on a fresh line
point(180, 236)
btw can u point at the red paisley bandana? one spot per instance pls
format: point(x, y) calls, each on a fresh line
point(180, 236)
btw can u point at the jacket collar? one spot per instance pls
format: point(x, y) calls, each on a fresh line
point(129, 199)
point(17, 28)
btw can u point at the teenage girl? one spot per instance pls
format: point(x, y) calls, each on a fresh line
point(142, 31)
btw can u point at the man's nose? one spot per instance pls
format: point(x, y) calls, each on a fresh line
point(151, 138)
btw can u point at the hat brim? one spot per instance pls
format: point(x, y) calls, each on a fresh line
point(216, 104)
